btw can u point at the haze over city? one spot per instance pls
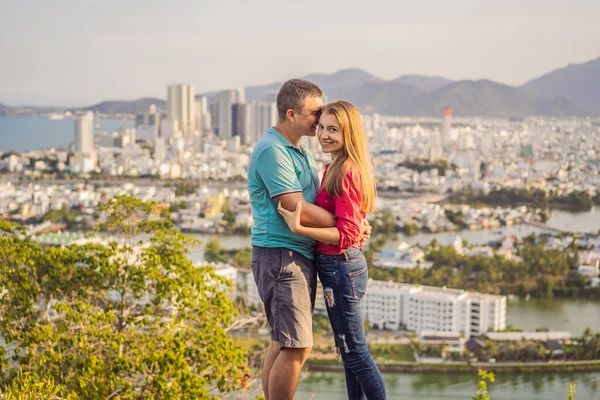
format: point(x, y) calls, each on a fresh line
point(75, 53)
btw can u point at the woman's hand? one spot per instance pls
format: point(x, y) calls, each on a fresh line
point(292, 218)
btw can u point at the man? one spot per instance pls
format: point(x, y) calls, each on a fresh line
point(282, 170)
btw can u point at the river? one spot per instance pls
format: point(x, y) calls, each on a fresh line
point(586, 222)
point(555, 386)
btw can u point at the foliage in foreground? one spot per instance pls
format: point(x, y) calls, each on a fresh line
point(115, 319)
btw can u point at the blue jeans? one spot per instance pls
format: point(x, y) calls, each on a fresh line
point(344, 278)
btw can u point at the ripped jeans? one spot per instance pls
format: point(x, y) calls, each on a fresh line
point(344, 278)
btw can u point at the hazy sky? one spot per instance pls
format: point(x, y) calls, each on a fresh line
point(78, 52)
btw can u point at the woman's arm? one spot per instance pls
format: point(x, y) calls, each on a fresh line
point(312, 215)
point(292, 218)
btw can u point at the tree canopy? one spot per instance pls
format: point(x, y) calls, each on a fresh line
point(128, 316)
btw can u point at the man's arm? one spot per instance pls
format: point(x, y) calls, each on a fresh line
point(276, 169)
point(311, 216)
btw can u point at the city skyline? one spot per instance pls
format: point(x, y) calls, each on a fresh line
point(91, 53)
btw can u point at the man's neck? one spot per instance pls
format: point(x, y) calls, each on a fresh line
point(285, 131)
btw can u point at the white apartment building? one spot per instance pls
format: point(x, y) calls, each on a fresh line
point(181, 107)
point(389, 305)
point(84, 133)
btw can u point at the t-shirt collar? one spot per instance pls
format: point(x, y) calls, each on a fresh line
point(284, 141)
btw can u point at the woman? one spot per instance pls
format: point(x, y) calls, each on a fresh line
point(348, 192)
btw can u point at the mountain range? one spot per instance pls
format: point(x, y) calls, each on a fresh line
point(577, 83)
point(570, 91)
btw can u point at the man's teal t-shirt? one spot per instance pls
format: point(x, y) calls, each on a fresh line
point(277, 167)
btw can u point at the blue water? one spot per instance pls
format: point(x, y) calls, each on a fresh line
point(21, 134)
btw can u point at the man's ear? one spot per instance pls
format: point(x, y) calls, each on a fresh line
point(291, 115)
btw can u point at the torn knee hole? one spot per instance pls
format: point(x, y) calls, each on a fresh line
point(344, 344)
point(329, 300)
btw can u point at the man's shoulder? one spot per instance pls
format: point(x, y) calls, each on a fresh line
point(266, 143)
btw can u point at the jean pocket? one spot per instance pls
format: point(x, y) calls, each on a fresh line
point(326, 265)
point(358, 282)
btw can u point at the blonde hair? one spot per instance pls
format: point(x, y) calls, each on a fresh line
point(355, 154)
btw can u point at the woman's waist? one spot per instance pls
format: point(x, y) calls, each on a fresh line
point(333, 249)
point(335, 252)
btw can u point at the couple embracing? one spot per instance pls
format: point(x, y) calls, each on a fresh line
point(306, 227)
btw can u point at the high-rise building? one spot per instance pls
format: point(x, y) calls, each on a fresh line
point(264, 116)
point(213, 110)
point(225, 100)
point(84, 133)
point(242, 122)
point(203, 116)
point(446, 127)
point(181, 108)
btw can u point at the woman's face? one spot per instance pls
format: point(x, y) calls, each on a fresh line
point(330, 134)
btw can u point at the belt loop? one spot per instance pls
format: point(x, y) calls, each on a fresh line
point(346, 256)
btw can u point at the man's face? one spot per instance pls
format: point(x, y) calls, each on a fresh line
point(306, 121)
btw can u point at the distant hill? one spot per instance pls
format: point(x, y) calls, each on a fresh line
point(126, 107)
point(484, 97)
point(421, 82)
point(578, 83)
point(466, 98)
point(418, 95)
point(383, 97)
point(347, 78)
point(351, 78)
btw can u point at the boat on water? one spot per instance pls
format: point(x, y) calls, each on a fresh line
point(56, 116)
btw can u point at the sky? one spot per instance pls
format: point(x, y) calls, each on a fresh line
point(80, 52)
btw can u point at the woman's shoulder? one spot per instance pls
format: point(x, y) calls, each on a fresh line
point(350, 170)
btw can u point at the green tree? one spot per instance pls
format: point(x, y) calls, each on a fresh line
point(214, 253)
point(410, 229)
point(128, 319)
point(229, 218)
point(64, 215)
point(243, 258)
point(545, 288)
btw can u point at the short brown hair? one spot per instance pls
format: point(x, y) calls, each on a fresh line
point(292, 95)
